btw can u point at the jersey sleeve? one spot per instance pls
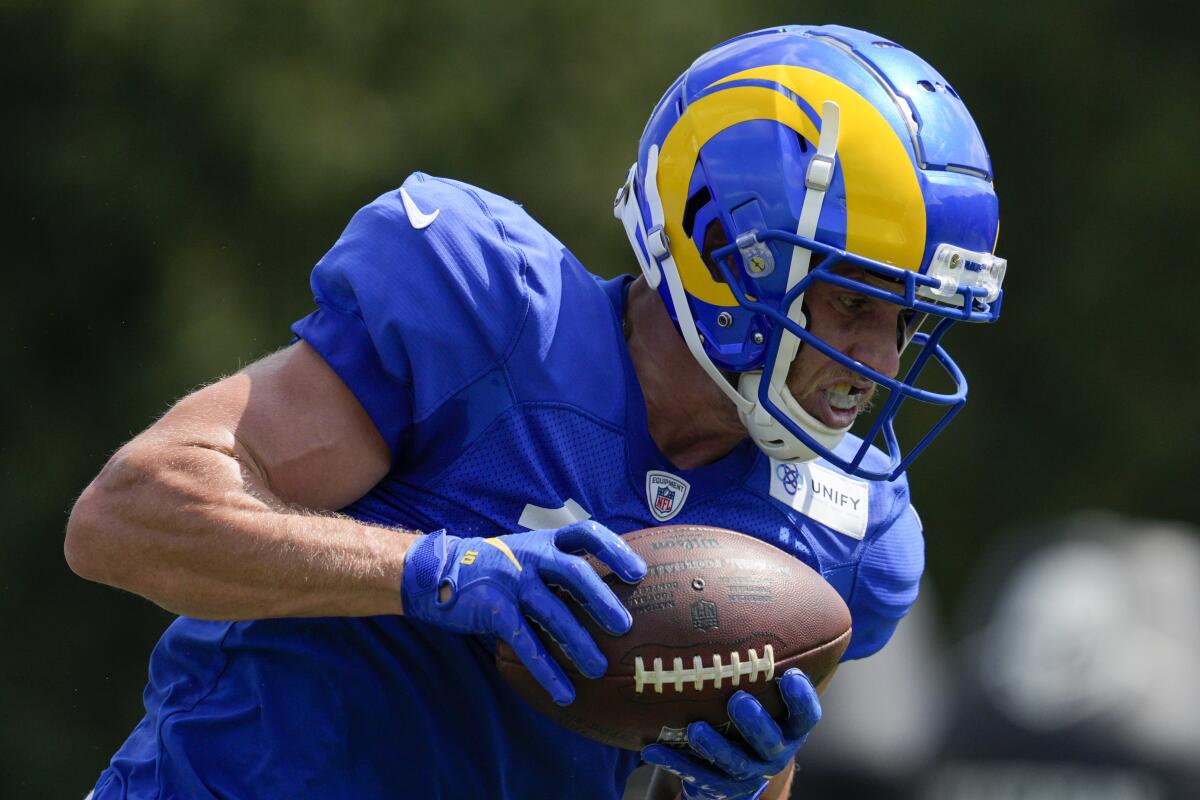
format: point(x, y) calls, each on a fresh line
point(889, 573)
point(407, 315)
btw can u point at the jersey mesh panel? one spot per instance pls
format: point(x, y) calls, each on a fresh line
point(540, 455)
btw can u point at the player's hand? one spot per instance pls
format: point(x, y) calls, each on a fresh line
point(723, 770)
point(491, 585)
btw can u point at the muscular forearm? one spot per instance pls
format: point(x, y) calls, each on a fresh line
point(190, 526)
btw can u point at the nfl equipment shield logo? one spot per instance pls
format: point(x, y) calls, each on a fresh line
point(665, 500)
point(665, 494)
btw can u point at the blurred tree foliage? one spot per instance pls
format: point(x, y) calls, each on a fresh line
point(174, 170)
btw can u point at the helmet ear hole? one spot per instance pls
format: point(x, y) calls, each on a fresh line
point(701, 198)
point(714, 237)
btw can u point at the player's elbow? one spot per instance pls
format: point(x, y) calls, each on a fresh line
point(93, 543)
point(84, 546)
point(79, 544)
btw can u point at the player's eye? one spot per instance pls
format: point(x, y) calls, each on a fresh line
point(853, 303)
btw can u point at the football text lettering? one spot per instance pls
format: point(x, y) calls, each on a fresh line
point(652, 597)
point(672, 567)
point(684, 544)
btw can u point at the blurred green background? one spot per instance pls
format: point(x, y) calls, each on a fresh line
point(173, 170)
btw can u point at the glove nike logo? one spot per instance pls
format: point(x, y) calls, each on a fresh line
point(503, 548)
point(416, 216)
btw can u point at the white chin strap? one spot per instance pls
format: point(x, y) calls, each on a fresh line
point(662, 265)
point(770, 435)
point(767, 432)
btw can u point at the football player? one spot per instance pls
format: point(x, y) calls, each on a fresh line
point(348, 526)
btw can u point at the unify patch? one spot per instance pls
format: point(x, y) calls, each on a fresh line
point(819, 493)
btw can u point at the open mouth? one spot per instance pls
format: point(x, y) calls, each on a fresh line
point(841, 403)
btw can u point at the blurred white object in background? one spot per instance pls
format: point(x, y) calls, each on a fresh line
point(1084, 682)
point(882, 717)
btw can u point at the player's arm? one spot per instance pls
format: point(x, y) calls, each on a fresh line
point(780, 787)
point(215, 510)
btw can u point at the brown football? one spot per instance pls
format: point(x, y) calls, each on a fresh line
point(718, 611)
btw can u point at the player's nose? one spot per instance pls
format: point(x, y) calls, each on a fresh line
point(876, 342)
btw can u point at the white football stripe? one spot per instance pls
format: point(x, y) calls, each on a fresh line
point(536, 518)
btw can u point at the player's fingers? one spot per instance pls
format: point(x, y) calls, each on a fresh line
point(593, 538)
point(581, 581)
point(803, 704)
point(552, 614)
point(512, 628)
point(685, 766)
point(726, 755)
point(756, 726)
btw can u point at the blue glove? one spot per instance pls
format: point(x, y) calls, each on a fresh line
point(489, 586)
point(727, 771)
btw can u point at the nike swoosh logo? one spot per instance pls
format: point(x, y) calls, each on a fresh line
point(416, 216)
point(503, 548)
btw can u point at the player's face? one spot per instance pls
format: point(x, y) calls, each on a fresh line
point(860, 327)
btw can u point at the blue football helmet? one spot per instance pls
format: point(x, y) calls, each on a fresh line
point(777, 157)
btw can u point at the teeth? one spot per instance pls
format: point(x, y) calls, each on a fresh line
point(840, 398)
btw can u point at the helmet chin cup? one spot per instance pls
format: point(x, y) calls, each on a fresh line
point(770, 434)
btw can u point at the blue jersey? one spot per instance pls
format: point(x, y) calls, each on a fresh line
point(495, 367)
